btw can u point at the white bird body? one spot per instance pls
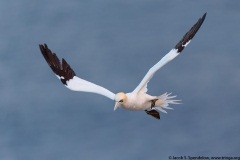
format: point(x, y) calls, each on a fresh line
point(143, 101)
point(136, 100)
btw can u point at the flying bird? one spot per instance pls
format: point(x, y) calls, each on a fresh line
point(136, 100)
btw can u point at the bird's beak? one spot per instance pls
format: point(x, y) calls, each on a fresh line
point(116, 105)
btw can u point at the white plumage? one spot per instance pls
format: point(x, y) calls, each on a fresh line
point(136, 100)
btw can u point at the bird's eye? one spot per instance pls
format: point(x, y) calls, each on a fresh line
point(121, 100)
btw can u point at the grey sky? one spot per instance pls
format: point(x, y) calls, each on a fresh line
point(113, 44)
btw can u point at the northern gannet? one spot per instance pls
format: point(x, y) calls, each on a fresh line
point(136, 100)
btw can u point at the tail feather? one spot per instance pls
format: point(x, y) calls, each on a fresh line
point(166, 100)
point(160, 109)
point(168, 108)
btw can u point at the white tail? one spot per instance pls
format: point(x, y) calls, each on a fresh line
point(164, 100)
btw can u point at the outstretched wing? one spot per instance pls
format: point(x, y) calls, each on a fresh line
point(171, 55)
point(68, 77)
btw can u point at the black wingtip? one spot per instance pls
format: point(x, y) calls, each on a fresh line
point(63, 70)
point(204, 15)
point(190, 34)
point(42, 46)
point(44, 49)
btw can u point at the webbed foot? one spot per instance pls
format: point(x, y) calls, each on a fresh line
point(153, 113)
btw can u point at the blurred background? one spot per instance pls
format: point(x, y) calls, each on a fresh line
point(113, 44)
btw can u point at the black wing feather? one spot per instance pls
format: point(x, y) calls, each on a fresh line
point(190, 34)
point(63, 70)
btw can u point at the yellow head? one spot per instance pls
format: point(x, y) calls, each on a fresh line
point(120, 99)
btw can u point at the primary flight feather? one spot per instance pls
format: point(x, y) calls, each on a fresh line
point(136, 100)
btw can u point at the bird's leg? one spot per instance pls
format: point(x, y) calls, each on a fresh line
point(153, 101)
point(153, 112)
